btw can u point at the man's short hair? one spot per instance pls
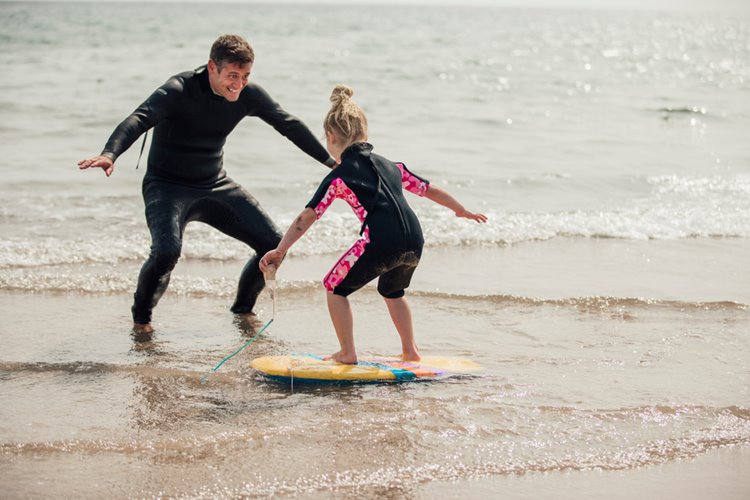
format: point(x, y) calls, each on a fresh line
point(231, 49)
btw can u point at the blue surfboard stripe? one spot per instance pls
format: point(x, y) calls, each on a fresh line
point(400, 374)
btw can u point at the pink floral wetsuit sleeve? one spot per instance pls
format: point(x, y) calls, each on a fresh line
point(338, 189)
point(411, 182)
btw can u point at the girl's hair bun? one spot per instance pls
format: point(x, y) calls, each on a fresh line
point(341, 93)
point(345, 118)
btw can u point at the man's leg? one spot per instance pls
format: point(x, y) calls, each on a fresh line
point(250, 284)
point(236, 213)
point(166, 224)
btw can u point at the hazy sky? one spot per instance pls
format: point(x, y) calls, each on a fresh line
point(674, 4)
point(600, 4)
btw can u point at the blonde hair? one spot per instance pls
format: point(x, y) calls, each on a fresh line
point(345, 119)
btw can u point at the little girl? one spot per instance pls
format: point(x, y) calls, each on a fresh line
point(390, 242)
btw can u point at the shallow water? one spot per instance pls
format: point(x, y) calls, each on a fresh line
point(576, 384)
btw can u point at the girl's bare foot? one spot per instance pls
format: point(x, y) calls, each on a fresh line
point(339, 357)
point(410, 356)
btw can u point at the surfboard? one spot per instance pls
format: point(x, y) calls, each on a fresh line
point(312, 368)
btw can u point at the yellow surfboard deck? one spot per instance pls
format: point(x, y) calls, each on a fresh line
point(308, 367)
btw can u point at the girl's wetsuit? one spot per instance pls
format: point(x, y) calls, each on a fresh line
point(186, 181)
point(390, 242)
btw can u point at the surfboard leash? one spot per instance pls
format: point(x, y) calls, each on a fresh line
point(270, 277)
point(213, 370)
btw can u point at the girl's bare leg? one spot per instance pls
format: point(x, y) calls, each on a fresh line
point(343, 323)
point(401, 316)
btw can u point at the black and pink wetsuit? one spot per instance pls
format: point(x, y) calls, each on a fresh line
point(390, 242)
point(185, 179)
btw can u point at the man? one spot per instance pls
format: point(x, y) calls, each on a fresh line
point(192, 114)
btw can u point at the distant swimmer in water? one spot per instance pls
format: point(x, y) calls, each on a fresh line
point(390, 242)
point(192, 114)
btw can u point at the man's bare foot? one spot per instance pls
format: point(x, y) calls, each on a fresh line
point(142, 332)
point(247, 323)
point(143, 328)
point(348, 359)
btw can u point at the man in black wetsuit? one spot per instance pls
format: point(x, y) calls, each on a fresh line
point(192, 114)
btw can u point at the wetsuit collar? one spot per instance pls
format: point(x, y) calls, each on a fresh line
point(363, 148)
point(202, 74)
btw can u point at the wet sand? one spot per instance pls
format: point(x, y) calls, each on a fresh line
point(715, 474)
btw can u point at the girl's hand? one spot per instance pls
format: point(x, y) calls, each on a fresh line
point(272, 257)
point(479, 218)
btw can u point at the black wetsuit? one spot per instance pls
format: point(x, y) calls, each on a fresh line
point(391, 241)
point(186, 181)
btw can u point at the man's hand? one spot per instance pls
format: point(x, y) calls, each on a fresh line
point(103, 162)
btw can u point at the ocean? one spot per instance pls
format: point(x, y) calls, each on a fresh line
point(608, 297)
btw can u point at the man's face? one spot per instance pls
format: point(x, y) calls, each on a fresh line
point(229, 80)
